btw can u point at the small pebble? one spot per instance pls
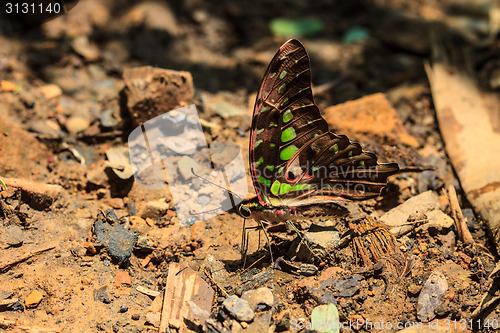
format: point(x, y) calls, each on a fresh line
point(238, 308)
point(33, 299)
point(261, 298)
point(136, 316)
point(123, 309)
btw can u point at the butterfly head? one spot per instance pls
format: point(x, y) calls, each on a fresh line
point(248, 208)
point(244, 211)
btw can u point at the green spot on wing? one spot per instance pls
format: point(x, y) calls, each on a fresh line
point(270, 167)
point(275, 187)
point(272, 145)
point(288, 152)
point(350, 153)
point(258, 142)
point(273, 124)
point(280, 170)
point(302, 187)
point(288, 134)
point(272, 75)
point(264, 181)
point(282, 89)
point(362, 163)
point(259, 161)
point(284, 102)
point(260, 131)
point(287, 116)
point(282, 75)
point(266, 199)
point(285, 188)
point(335, 148)
point(265, 108)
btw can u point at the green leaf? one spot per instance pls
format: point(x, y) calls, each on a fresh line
point(296, 27)
point(325, 319)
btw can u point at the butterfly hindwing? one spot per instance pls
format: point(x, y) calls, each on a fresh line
point(294, 159)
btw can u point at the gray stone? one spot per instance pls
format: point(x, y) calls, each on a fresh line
point(320, 239)
point(262, 296)
point(238, 308)
point(431, 296)
point(420, 204)
point(439, 219)
point(116, 239)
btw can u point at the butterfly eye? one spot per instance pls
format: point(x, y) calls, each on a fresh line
point(245, 211)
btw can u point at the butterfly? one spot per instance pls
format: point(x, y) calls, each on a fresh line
point(299, 168)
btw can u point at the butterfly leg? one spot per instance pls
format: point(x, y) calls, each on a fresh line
point(244, 241)
point(268, 242)
point(302, 240)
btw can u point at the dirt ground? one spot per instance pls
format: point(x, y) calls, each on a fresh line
point(66, 111)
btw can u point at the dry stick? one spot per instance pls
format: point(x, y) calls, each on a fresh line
point(456, 213)
point(253, 264)
point(5, 267)
point(215, 282)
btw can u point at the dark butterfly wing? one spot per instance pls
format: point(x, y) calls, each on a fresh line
point(294, 159)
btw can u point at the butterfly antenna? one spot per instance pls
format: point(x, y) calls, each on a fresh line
point(206, 211)
point(231, 193)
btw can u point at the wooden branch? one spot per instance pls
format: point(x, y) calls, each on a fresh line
point(460, 222)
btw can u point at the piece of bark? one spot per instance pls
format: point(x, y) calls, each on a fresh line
point(470, 125)
point(187, 298)
point(460, 222)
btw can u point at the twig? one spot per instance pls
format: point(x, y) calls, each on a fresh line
point(463, 232)
point(253, 264)
point(5, 267)
point(215, 282)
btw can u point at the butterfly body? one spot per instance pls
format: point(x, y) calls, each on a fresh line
point(299, 168)
point(271, 215)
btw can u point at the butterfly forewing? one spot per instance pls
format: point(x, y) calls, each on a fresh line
point(294, 159)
